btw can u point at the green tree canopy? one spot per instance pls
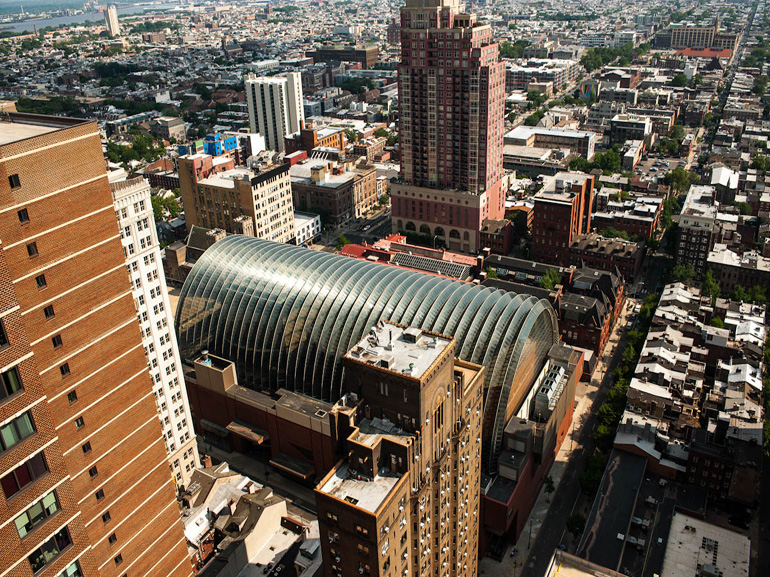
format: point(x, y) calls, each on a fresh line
point(683, 272)
point(550, 279)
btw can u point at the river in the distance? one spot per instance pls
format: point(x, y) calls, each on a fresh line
point(29, 25)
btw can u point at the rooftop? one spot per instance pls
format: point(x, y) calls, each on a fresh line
point(400, 349)
point(364, 493)
point(17, 126)
point(693, 543)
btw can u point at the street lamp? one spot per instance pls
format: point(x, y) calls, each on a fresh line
point(435, 236)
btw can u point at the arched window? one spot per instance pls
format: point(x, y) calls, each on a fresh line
point(466, 236)
point(454, 233)
point(410, 226)
point(439, 231)
point(400, 224)
point(424, 229)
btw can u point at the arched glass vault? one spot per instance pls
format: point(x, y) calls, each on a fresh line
point(286, 315)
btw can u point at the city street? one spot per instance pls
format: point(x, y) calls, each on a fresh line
point(549, 515)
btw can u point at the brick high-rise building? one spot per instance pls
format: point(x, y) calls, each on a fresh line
point(406, 500)
point(562, 212)
point(451, 103)
point(86, 489)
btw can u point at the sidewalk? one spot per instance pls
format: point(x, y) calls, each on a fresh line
point(584, 399)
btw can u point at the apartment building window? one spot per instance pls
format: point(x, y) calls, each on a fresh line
point(36, 514)
point(99, 494)
point(14, 181)
point(72, 570)
point(79, 423)
point(23, 475)
point(106, 517)
point(23, 216)
point(10, 383)
point(49, 550)
point(3, 336)
point(112, 539)
point(41, 282)
point(87, 449)
point(49, 312)
point(32, 249)
point(93, 471)
point(65, 370)
point(57, 342)
point(16, 431)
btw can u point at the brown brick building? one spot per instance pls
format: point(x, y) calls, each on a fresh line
point(86, 488)
point(406, 499)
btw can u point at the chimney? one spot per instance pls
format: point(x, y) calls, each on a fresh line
point(318, 174)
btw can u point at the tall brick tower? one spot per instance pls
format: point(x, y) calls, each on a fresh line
point(451, 103)
point(86, 488)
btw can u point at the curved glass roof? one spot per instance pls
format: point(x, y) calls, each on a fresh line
point(286, 315)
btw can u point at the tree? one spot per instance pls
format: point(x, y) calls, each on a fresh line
point(550, 279)
point(536, 98)
point(491, 273)
point(679, 179)
point(576, 524)
point(676, 132)
point(738, 294)
point(680, 80)
point(515, 50)
point(162, 206)
point(548, 485)
point(710, 286)
point(717, 322)
point(682, 272)
point(609, 161)
point(342, 240)
point(351, 135)
point(743, 207)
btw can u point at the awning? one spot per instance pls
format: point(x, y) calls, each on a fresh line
point(292, 465)
point(218, 430)
point(247, 431)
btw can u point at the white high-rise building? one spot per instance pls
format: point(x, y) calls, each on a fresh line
point(275, 107)
point(111, 18)
point(133, 208)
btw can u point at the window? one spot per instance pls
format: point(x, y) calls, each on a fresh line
point(23, 475)
point(36, 514)
point(11, 383)
point(23, 216)
point(106, 517)
point(93, 471)
point(65, 370)
point(16, 431)
point(40, 280)
point(49, 314)
point(112, 539)
point(32, 249)
point(49, 550)
point(57, 342)
point(87, 449)
point(72, 570)
point(79, 423)
point(3, 335)
point(14, 181)
point(99, 494)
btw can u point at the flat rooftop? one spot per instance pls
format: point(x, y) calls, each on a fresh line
point(693, 543)
point(16, 126)
point(367, 494)
point(405, 350)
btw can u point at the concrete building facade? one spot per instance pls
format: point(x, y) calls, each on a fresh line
point(133, 208)
point(275, 107)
